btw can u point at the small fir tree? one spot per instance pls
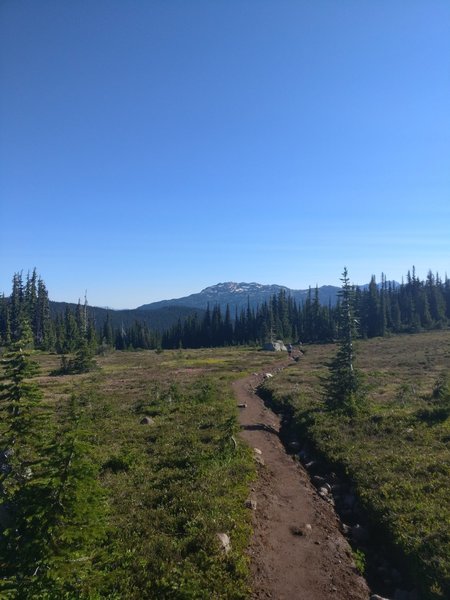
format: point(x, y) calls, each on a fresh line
point(71, 520)
point(82, 362)
point(343, 388)
point(21, 435)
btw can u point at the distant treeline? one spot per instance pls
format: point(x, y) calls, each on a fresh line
point(412, 306)
point(380, 309)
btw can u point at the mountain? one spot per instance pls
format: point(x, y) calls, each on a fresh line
point(161, 315)
point(238, 295)
point(159, 319)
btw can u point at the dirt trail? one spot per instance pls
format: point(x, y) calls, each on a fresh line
point(297, 551)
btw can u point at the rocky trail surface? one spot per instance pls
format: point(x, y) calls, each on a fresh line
point(297, 551)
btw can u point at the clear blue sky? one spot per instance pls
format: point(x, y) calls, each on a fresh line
point(151, 148)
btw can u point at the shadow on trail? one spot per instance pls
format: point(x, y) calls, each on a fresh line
point(260, 427)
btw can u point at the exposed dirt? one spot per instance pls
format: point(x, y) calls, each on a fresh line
point(297, 551)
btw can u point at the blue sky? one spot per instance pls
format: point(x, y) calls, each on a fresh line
point(151, 148)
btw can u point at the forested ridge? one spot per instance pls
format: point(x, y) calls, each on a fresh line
point(414, 305)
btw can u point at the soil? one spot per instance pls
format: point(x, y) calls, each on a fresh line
point(297, 551)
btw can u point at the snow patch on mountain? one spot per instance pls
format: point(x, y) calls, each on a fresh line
point(232, 287)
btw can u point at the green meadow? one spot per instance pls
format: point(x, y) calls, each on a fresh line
point(155, 473)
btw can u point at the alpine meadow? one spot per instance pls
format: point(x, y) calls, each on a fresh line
point(121, 465)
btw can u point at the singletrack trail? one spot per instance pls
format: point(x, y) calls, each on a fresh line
point(297, 551)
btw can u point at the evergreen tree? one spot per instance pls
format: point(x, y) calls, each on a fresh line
point(91, 337)
point(44, 328)
point(71, 519)
point(343, 387)
point(80, 319)
point(217, 338)
point(206, 328)
point(17, 395)
point(120, 339)
point(446, 293)
point(17, 306)
point(57, 515)
point(382, 318)
point(265, 324)
point(21, 457)
point(30, 300)
point(107, 332)
point(394, 318)
point(373, 309)
point(5, 321)
point(436, 299)
point(315, 317)
point(422, 306)
point(60, 334)
point(82, 362)
point(71, 332)
point(228, 328)
point(284, 325)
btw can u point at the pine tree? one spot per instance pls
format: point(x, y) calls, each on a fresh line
point(82, 362)
point(45, 330)
point(17, 306)
point(30, 301)
point(373, 309)
point(5, 321)
point(91, 337)
point(343, 389)
point(51, 503)
point(382, 315)
point(81, 318)
point(228, 327)
point(436, 299)
point(21, 457)
point(71, 520)
point(18, 396)
point(107, 332)
point(315, 316)
point(71, 331)
point(394, 321)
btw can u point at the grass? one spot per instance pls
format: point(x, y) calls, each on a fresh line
point(172, 485)
point(397, 453)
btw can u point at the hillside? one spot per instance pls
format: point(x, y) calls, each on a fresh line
point(159, 319)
